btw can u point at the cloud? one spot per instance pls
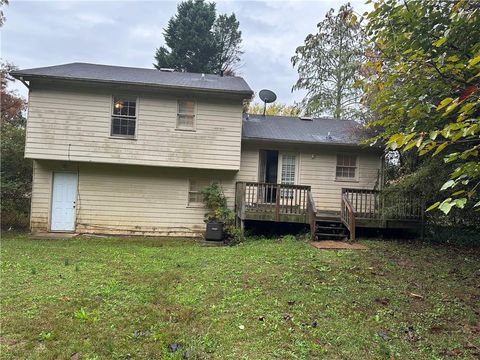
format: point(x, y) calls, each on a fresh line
point(145, 32)
point(95, 19)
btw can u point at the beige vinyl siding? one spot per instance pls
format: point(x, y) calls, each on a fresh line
point(41, 195)
point(122, 199)
point(318, 171)
point(316, 168)
point(74, 124)
point(249, 164)
point(127, 199)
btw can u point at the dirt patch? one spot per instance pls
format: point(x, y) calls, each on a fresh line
point(338, 245)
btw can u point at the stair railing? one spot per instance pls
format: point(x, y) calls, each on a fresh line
point(348, 216)
point(312, 214)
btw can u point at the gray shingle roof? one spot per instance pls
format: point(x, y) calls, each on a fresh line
point(293, 129)
point(140, 76)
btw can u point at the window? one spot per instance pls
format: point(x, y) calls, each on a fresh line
point(195, 197)
point(186, 115)
point(289, 163)
point(288, 169)
point(346, 167)
point(124, 117)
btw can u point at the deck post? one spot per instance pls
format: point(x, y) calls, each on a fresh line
point(277, 204)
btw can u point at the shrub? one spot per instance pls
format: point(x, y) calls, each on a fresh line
point(218, 211)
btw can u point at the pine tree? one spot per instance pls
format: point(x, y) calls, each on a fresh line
point(197, 41)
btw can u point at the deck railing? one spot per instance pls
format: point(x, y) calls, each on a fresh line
point(295, 203)
point(269, 198)
point(373, 204)
point(312, 214)
point(347, 215)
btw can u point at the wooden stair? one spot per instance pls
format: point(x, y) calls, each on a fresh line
point(330, 228)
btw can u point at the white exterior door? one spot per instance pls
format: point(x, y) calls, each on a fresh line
point(64, 198)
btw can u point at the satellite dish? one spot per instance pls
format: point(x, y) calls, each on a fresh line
point(267, 96)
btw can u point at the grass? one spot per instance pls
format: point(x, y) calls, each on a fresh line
point(104, 298)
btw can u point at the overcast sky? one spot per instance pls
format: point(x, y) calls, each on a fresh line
point(43, 33)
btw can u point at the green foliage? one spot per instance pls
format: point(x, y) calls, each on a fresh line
point(197, 41)
point(228, 38)
point(289, 238)
point(16, 171)
point(46, 336)
point(423, 86)
point(81, 315)
point(275, 109)
point(329, 63)
point(16, 175)
point(218, 211)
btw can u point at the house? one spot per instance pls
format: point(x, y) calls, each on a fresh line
point(119, 150)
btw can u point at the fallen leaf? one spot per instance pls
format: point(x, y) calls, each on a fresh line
point(175, 347)
point(384, 336)
point(410, 334)
point(469, 345)
point(416, 296)
point(383, 301)
point(75, 356)
point(261, 318)
point(454, 352)
point(287, 317)
point(241, 327)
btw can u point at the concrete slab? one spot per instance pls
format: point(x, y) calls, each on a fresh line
point(52, 235)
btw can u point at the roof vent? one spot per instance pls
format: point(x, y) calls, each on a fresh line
point(167, 69)
point(306, 118)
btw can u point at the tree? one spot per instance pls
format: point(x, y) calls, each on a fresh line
point(275, 109)
point(2, 15)
point(329, 63)
point(228, 38)
point(424, 87)
point(16, 171)
point(197, 41)
point(190, 39)
point(12, 105)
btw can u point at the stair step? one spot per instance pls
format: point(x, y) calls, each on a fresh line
point(327, 218)
point(330, 235)
point(333, 227)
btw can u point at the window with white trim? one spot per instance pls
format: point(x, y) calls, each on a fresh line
point(186, 115)
point(195, 187)
point(124, 117)
point(346, 167)
point(289, 163)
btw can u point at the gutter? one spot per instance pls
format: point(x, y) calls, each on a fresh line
point(308, 142)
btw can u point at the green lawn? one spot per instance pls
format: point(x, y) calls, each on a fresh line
point(127, 298)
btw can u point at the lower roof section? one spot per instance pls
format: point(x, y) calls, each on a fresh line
point(291, 129)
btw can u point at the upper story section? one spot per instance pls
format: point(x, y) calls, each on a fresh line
point(108, 114)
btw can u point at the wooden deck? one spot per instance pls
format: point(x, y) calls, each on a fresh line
point(295, 204)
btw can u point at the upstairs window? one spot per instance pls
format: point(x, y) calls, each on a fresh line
point(124, 117)
point(186, 115)
point(346, 167)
